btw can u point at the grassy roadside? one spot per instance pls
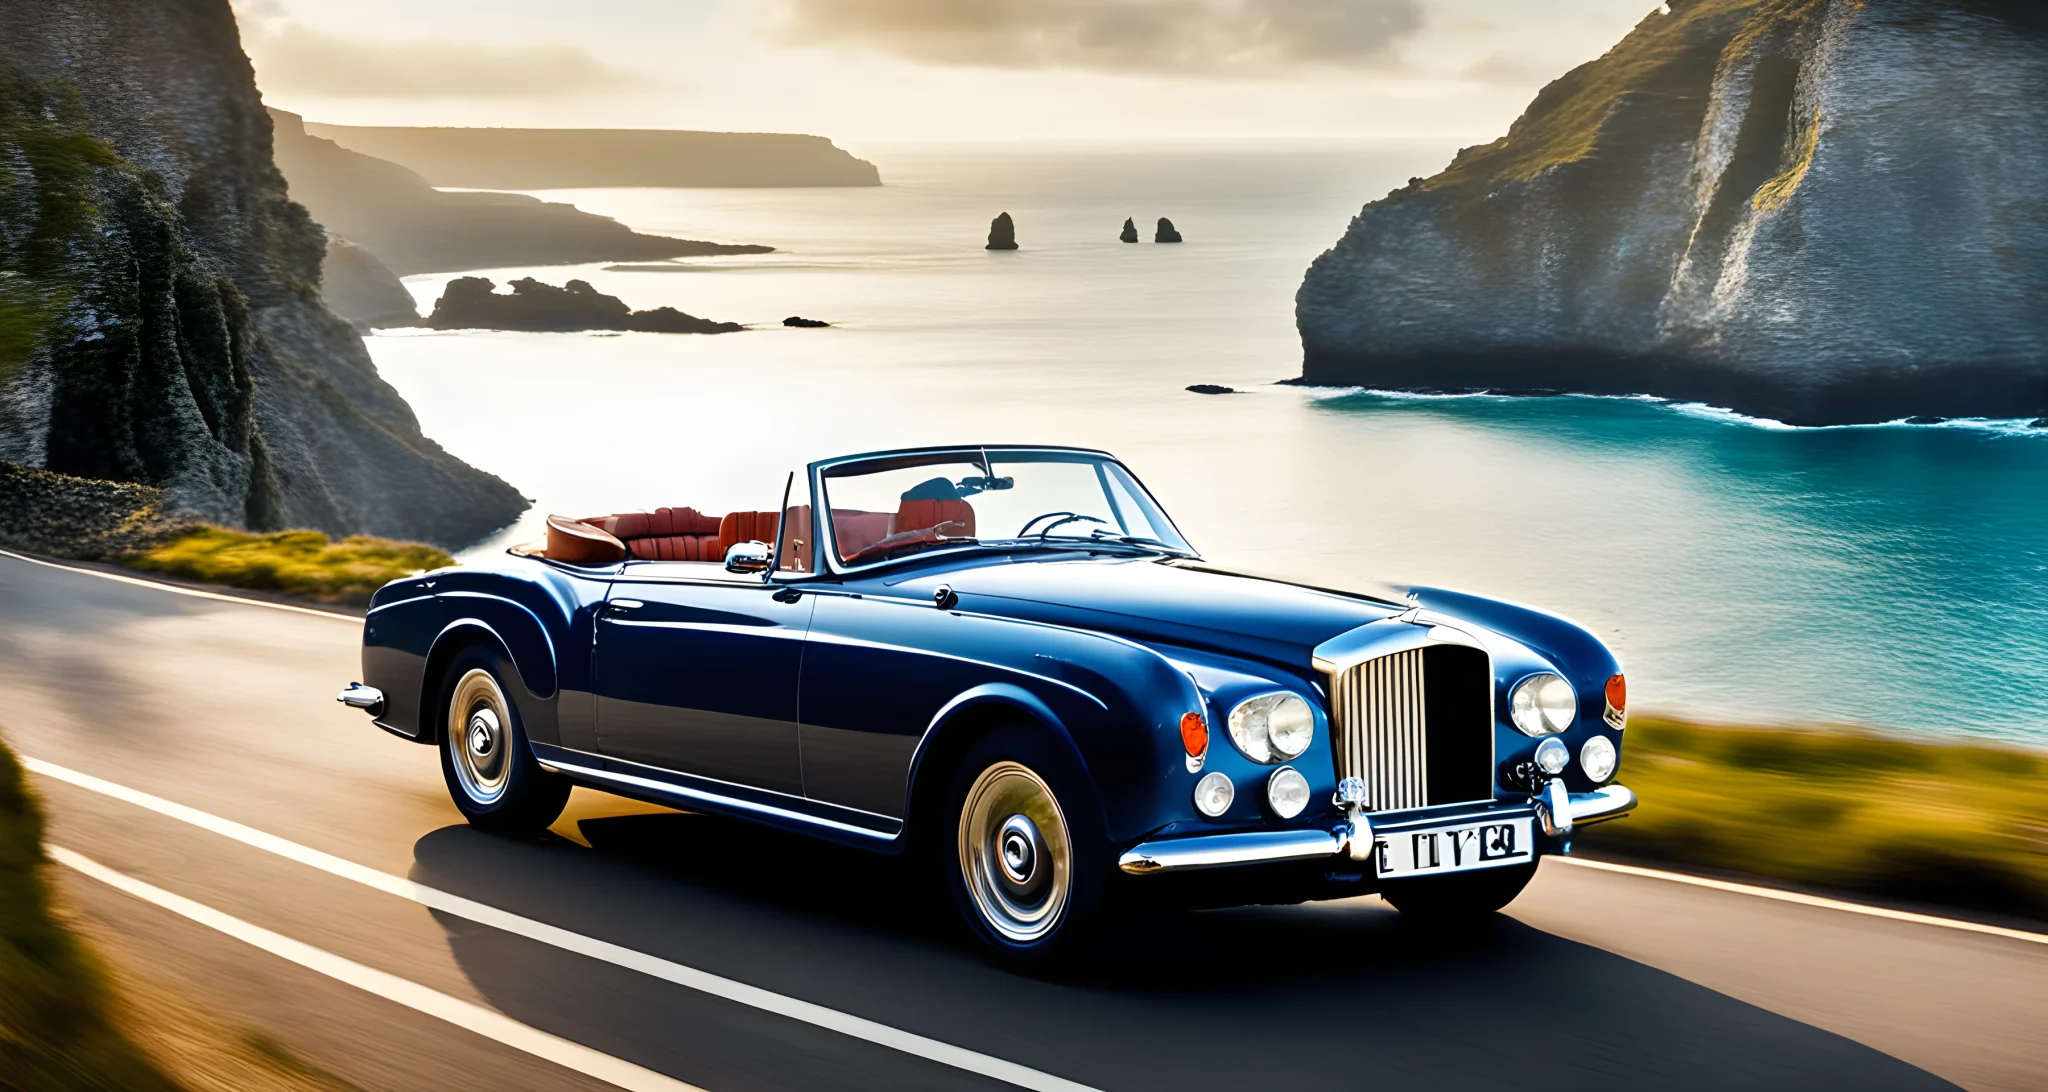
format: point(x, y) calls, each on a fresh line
point(70, 1022)
point(302, 563)
point(1954, 824)
point(56, 1027)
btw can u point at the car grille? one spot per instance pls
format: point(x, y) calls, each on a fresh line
point(1416, 727)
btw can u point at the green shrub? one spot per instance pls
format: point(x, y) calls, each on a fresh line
point(302, 563)
point(1964, 824)
point(55, 1031)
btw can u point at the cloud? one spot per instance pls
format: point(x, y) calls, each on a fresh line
point(1205, 37)
point(290, 57)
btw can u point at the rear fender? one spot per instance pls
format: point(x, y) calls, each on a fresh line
point(514, 632)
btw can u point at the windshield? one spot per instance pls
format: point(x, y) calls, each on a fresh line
point(901, 504)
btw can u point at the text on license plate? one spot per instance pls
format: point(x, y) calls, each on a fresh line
point(1454, 848)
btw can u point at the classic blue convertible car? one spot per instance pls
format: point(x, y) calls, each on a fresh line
point(1007, 659)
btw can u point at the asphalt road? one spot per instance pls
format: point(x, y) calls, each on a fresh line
point(1591, 980)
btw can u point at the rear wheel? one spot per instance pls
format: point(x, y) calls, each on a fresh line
point(491, 772)
point(1030, 865)
point(1461, 896)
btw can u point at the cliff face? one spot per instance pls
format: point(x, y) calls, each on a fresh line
point(160, 319)
point(1818, 211)
point(539, 159)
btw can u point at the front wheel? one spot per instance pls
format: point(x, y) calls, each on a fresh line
point(1460, 896)
point(491, 772)
point(1030, 866)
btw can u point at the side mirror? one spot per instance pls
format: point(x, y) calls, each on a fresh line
point(748, 557)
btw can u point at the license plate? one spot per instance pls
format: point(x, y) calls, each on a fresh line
point(1457, 848)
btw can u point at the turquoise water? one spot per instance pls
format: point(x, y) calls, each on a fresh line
point(1894, 576)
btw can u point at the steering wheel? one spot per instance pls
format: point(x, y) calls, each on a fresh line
point(1065, 518)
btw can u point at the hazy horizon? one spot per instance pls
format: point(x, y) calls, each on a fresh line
point(905, 72)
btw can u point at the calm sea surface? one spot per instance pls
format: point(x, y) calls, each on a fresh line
point(1894, 576)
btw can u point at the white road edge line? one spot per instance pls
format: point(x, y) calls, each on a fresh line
point(490, 1024)
point(176, 590)
point(555, 936)
point(1810, 900)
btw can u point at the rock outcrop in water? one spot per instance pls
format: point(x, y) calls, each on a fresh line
point(473, 303)
point(160, 318)
point(1002, 233)
point(1129, 233)
point(1165, 232)
point(1817, 211)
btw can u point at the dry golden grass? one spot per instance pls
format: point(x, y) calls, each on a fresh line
point(302, 563)
point(1959, 824)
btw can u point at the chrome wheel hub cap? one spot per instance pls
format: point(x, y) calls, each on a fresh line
point(1014, 852)
point(478, 747)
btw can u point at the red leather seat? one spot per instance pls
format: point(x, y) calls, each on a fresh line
point(738, 527)
point(666, 534)
point(916, 515)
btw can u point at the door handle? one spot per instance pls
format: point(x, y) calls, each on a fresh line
point(623, 604)
point(787, 595)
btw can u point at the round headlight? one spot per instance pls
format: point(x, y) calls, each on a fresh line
point(1542, 704)
point(1272, 727)
point(1287, 792)
point(1597, 759)
point(1552, 757)
point(1213, 794)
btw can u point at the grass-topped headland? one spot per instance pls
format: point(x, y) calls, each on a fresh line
point(1954, 823)
point(307, 564)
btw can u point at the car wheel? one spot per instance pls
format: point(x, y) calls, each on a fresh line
point(491, 772)
point(1030, 864)
point(1461, 896)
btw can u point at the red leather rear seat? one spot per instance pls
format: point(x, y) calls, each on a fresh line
point(738, 527)
point(666, 534)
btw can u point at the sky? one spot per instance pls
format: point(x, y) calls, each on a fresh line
point(901, 71)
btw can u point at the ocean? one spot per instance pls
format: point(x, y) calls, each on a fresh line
point(1891, 576)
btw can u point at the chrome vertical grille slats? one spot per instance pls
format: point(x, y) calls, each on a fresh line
point(1383, 724)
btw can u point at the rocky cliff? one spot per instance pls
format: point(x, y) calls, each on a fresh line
point(160, 318)
point(414, 228)
point(1817, 211)
point(540, 159)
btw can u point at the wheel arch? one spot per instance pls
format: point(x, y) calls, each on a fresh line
point(534, 666)
point(968, 717)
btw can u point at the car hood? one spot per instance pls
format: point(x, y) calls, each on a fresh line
point(1172, 602)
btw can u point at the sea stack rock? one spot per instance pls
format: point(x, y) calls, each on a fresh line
point(1165, 234)
point(1798, 212)
point(1130, 232)
point(1002, 233)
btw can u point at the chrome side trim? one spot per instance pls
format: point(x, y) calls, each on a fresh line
point(692, 797)
point(1218, 850)
point(367, 698)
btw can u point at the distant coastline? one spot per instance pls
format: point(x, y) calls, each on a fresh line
point(539, 159)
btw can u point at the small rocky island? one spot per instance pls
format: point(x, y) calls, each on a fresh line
point(1002, 233)
point(1130, 232)
point(1166, 232)
point(1803, 212)
point(474, 303)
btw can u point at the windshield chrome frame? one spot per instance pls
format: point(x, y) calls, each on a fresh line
point(979, 453)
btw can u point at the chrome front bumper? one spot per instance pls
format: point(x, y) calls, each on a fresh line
point(1555, 810)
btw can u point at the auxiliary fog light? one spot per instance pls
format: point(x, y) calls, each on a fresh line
point(1552, 756)
point(1287, 792)
point(1213, 794)
point(1597, 759)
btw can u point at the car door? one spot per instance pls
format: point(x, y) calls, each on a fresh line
point(696, 671)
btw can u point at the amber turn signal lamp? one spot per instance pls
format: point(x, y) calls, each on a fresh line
point(1617, 692)
point(1194, 734)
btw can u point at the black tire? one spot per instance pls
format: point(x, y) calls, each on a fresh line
point(490, 770)
point(991, 788)
point(1460, 896)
